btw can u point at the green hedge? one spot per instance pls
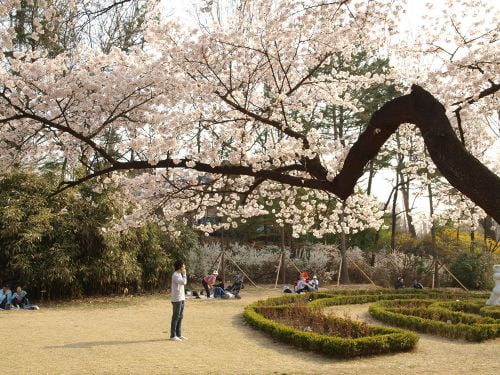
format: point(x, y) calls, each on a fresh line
point(456, 315)
point(434, 319)
point(467, 306)
point(491, 311)
point(359, 299)
point(383, 340)
point(472, 306)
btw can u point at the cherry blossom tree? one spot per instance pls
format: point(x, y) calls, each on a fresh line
point(217, 112)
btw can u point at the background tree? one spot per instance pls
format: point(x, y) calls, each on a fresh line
point(58, 244)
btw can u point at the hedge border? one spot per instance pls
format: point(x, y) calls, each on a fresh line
point(359, 299)
point(474, 306)
point(387, 312)
point(384, 340)
point(491, 311)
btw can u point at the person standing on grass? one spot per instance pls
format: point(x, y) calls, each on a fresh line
point(178, 296)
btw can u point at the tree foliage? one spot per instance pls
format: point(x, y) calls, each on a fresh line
point(57, 244)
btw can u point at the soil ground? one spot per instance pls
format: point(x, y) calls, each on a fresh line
point(130, 336)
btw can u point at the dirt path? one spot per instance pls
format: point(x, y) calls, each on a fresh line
point(133, 339)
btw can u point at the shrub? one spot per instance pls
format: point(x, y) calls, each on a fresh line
point(300, 316)
point(491, 311)
point(436, 320)
point(474, 270)
point(358, 299)
point(472, 306)
point(297, 319)
point(383, 340)
point(391, 264)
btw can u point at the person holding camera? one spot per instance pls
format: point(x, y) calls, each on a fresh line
point(178, 297)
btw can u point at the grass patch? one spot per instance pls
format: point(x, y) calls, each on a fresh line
point(102, 302)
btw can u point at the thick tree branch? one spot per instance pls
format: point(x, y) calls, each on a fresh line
point(237, 170)
point(458, 166)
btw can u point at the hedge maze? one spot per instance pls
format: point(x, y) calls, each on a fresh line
point(299, 320)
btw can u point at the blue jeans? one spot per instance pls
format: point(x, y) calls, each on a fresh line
point(175, 326)
point(218, 292)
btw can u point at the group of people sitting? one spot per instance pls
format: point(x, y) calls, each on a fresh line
point(214, 287)
point(303, 284)
point(14, 300)
point(400, 283)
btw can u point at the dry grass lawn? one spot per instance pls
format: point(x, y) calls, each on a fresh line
point(130, 336)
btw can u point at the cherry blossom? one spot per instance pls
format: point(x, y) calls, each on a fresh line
point(220, 112)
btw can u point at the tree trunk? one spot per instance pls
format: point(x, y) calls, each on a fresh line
point(371, 174)
point(394, 216)
point(435, 259)
point(283, 262)
point(489, 232)
point(405, 192)
point(341, 126)
point(472, 244)
point(344, 272)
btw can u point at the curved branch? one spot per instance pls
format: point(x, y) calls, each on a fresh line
point(458, 166)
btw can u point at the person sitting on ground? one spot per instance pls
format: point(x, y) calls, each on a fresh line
point(236, 286)
point(219, 283)
point(3, 298)
point(19, 298)
point(400, 283)
point(303, 286)
point(314, 282)
point(208, 282)
point(219, 292)
point(6, 298)
point(417, 284)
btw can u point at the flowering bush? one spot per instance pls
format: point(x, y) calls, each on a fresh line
point(262, 264)
point(389, 265)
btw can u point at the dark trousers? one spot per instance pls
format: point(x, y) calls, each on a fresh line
point(207, 289)
point(306, 288)
point(20, 304)
point(177, 314)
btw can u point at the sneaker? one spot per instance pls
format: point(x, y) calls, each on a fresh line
point(175, 338)
point(183, 337)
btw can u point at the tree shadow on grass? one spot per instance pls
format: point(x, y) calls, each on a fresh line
point(91, 344)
